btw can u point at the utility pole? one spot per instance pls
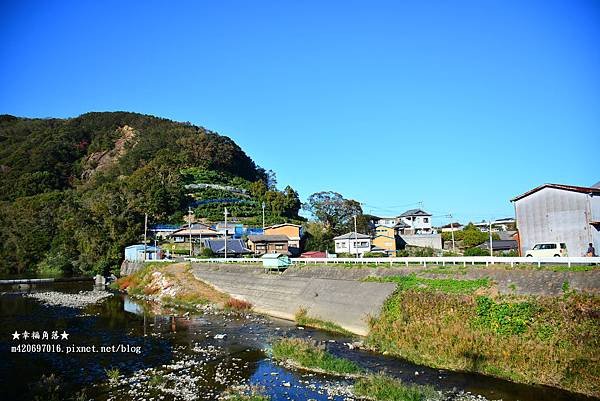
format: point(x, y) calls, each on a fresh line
point(355, 237)
point(225, 233)
point(491, 246)
point(263, 210)
point(452, 231)
point(145, 231)
point(190, 228)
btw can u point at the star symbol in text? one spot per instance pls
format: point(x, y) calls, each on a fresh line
point(16, 336)
point(64, 335)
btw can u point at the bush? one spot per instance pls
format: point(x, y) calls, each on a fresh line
point(238, 304)
point(477, 252)
point(374, 255)
point(207, 253)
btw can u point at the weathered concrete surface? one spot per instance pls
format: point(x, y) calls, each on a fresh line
point(349, 303)
point(128, 267)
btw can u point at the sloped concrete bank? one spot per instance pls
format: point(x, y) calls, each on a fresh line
point(348, 303)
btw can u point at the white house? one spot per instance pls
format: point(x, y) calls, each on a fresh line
point(353, 243)
point(385, 221)
point(418, 220)
point(559, 213)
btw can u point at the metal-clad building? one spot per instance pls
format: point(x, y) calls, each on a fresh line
point(559, 213)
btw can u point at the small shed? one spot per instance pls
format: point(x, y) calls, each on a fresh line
point(277, 261)
point(135, 253)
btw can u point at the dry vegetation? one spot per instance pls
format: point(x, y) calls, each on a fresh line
point(171, 284)
point(550, 340)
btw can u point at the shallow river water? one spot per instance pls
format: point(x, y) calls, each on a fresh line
point(168, 356)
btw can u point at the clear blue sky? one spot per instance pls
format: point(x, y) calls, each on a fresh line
point(461, 105)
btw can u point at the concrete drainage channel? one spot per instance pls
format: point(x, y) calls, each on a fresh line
point(348, 303)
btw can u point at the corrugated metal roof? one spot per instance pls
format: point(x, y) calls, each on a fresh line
point(572, 188)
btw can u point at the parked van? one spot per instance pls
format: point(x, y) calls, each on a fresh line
point(548, 250)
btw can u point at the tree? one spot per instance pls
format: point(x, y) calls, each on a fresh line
point(318, 237)
point(333, 210)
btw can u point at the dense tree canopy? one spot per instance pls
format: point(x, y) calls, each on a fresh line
point(73, 192)
point(334, 211)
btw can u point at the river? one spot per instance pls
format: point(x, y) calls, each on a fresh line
point(164, 355)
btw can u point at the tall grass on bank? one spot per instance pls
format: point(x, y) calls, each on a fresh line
point(547, 340)
point(311, 355)
point(303, 319)
point(384, 388)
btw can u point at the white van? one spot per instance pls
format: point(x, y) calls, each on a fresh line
point(548, 250)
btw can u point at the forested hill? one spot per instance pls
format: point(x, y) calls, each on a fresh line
point(73, 192)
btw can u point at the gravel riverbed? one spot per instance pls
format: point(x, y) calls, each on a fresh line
point(76, 300)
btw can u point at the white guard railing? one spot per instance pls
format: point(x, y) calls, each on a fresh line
point(424, 261)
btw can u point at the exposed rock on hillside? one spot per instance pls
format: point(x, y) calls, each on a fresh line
point(103, 160)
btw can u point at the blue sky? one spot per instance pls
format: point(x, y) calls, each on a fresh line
point(460, 105)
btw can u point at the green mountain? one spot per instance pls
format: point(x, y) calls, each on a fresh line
point(73, 192)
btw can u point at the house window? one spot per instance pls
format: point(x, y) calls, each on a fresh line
point(278, 246)
point(425, 220)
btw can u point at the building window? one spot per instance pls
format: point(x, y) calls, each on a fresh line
point(278, 246)
point(425, 220)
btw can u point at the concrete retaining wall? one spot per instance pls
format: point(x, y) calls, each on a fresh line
point(128, 267)
point(348, 303)
point(424, 241)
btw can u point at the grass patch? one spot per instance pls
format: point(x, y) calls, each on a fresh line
point(446, 285)
point(303, 319)
point(385, 388)
point(113, 375)
point(504, 318)
point(544, 340)
point(310, 355)
point(187, 301)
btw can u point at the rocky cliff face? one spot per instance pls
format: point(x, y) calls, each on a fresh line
point(99, 161)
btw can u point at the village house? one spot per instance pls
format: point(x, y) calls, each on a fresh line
point(385, 221)
point(261, 244)
point(235, 247)
point(417, 220)
point(353, 243)
point(292, 231)
point(385, 239)
point(559, 213)
point(197, 231)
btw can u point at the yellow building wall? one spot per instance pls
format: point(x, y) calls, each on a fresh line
point(384, 242)
point(290, 231)
point(383, 230)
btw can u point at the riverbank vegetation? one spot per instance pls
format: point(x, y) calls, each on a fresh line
point(384, 388)
point(544, 340)
point(302, 318)
point(311, 355)
point(172, 285)
point(447, 285)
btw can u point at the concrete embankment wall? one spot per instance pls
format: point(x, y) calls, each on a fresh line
point(347, 302)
